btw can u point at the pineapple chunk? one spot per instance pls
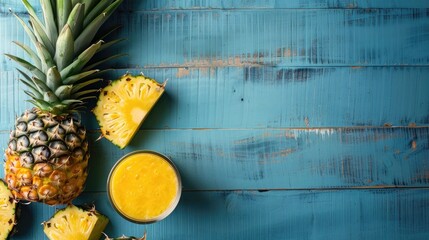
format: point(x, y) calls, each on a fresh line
point(124, 104)
point(73, 223)
point(7, 211)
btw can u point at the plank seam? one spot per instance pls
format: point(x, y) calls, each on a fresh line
point(402, 188)
point(268, 128)
point(244, 65)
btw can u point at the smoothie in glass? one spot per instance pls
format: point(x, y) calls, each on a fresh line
point(144, 186)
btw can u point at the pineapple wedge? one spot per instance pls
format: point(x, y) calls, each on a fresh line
point(8, 207)
point(124, 104)
point(72, 223)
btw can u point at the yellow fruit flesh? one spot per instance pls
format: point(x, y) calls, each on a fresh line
point(143, 186)
point(7, 211)
point(123, 106)
point(74, 224)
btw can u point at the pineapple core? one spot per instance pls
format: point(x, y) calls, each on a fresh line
point(138, 115)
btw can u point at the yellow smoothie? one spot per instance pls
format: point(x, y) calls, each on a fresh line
point(144, 186)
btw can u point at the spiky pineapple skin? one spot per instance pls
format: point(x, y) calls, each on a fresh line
point(47, 158)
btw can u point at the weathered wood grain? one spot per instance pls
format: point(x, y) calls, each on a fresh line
point(267, 159)
point(162, 5)
point(274, 97)
point(276, 37)
point(274, 215)
point(280, 37)
point(153, 5)
point(279, 159)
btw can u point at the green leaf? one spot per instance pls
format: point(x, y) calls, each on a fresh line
point(41, 36)
point(47, 61)
point(31, 11)
point(81, 61)
point(97, 10)
point(40, 85)
point(104, 60)
point(112, 7)
point(84, 93)
point(107, 45)
point(71, 101)
point(59, 109)
point(31, 53)
point(30, 94)
point(89, 4)
point(40, 103)
point(65, 53)
point(32, 89)
point(63, 92)
point(75, 20)
point(53, 78)
point(50, 26)
point(75, 78)
point(92, 28)
point(88, 34)
point(28, 66)
point(50, 97)
point(29, 32)
point(24, 75)
point(87, 98)
point(78, 87)
point(64, 8)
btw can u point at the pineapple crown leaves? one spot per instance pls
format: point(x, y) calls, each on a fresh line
point(64, 43)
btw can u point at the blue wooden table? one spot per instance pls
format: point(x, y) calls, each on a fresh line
point(292, 119)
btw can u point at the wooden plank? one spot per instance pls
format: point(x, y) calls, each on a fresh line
point(269, 4)
point(312, 37)
point(162, 5)
point(274, 97)
point(366, 214)
point(275, 37)
point(279, 158)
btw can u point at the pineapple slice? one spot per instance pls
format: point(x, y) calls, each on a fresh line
point(73, 223)
point(7, 211)
point(124, 104)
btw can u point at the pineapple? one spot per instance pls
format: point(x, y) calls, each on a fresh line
point(124, 104)
point(47, 154)
point(8, 212)
point(72, 223)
